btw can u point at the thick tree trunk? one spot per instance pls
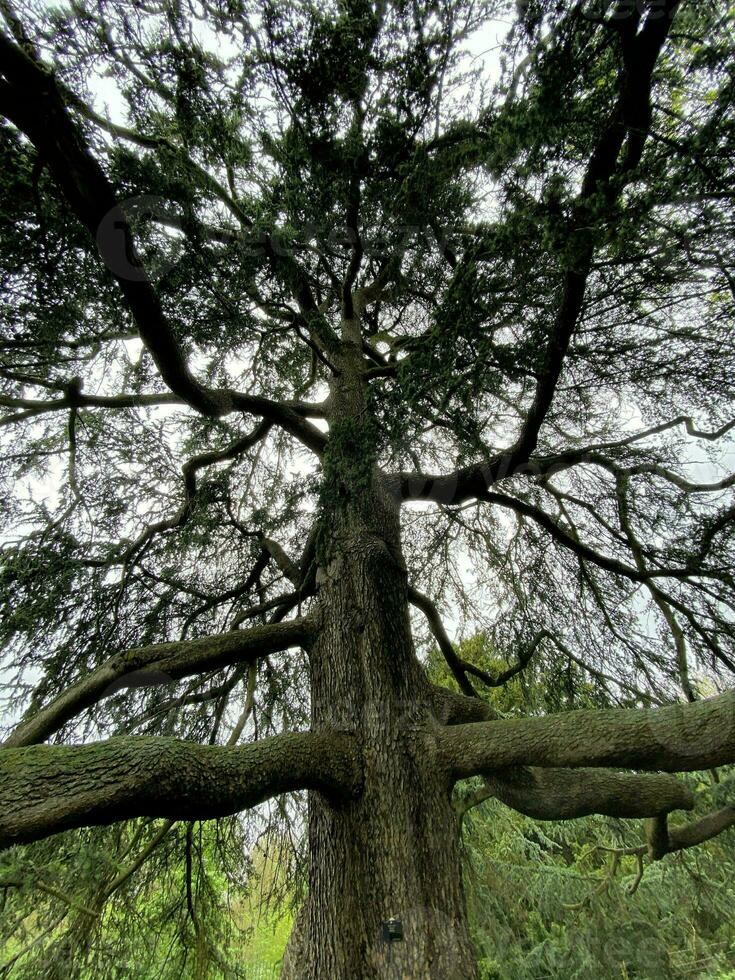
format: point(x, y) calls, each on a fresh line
point(394, 850)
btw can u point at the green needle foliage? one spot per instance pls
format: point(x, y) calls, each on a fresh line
point(552, 899)
point(268, 270)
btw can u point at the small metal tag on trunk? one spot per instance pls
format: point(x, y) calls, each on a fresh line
point(392, 930)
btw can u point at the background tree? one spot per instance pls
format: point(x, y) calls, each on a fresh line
point(308, 257)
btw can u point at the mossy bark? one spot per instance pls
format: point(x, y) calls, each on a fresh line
point(393, 851)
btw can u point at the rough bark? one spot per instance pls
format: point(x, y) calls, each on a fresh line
point(46, 789)
point(394, 849)
point(565, 794)
point(380, 763)
point(676, 738)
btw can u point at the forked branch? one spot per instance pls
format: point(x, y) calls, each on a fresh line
point(31, 99)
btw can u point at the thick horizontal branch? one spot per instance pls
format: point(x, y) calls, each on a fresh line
point(74, 398)
point(675, 738)
point(160, 663)
point(565, 794)
point(45, 789)
point(473, 481)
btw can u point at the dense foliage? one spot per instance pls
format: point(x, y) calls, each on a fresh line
point(274, 160)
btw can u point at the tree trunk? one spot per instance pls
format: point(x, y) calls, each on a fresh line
point(392, 852)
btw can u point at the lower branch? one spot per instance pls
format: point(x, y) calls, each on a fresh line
point(675, 738)
point(46, 789)
point(565, 794)
point(663, 840)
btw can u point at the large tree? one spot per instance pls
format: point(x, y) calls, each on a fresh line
point(311, 319)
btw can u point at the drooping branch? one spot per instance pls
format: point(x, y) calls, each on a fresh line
point(46, 789)
point(436, 626)
point(164, 829)
point(189, 473)
point(690, 834)
point(675, 738)
point(571, 541)
point(474, 480)
point(30, 98)
point(460, 668)
point(662, 839)
point(645, 696)
point(160, 663)
point(675, 629)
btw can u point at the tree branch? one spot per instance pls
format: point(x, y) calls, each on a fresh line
point(696, 832)
point(474, 480)
point(566, 794)
point(189, 474)
point(662, 839)
point(31, 99)
point(436, 626)
point(458, 709)
point(675, 738)
point(607, 173)
point(583, 551)
point(46, 789)
point(161, 662)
